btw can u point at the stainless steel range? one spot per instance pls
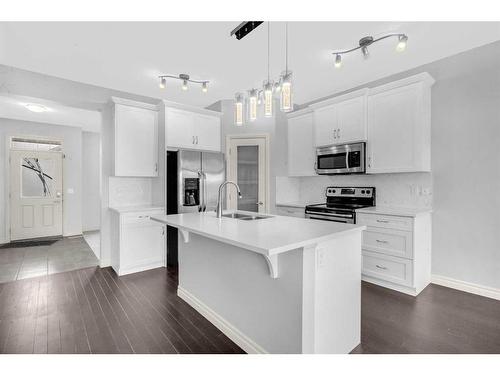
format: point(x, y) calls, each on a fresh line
point(341, 204)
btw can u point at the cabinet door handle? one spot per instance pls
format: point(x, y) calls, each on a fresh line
point(338, 133)
point(156, 167)
point(369, 161)
point(382, 241)
point(381, 267)
point(383, 221)
point(193, 140)
point(335, 134)
point(196, 139)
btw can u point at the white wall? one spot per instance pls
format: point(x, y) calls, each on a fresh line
point(72, 166)
point(91, 176)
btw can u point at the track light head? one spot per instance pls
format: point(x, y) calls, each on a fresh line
point(204, 87)
point(338, 60)
point(365, 51)
point(163, 83)
point(402, 42)
point(185, 85)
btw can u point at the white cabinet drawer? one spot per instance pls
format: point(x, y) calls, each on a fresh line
point(384, 267)
point(290, 211)
point(139, 218)
point(389, 241)
point(385, 221)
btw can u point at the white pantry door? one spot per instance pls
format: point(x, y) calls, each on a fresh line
point(248, 159)
point(35, 194)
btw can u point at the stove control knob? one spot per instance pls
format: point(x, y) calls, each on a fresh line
point(333, 191)
point(362, 191)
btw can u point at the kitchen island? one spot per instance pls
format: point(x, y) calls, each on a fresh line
point(275, 284)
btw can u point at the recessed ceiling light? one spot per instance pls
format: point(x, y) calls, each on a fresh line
point(36, 107)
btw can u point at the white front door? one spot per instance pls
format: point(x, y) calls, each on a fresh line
point(35, 194)
point(248, 163)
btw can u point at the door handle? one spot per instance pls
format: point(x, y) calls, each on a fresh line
point(335, 134)
point(338, 133)
point(193, 140)
point(259, 203)
point(381, 267)
point(382, 241)
point(196, 139)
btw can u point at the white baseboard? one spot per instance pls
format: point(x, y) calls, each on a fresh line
point(464, 286)
point(243, 341)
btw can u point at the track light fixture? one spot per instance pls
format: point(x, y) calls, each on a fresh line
point(368, 41)
point(185, 78)
point(265, 95)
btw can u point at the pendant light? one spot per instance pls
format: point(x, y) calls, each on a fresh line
point(252, 104)
point(268, 83)
point(238, 110)
point(286, 97)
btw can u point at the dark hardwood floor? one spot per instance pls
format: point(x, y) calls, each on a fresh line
point(93, 310)
point(438, 320)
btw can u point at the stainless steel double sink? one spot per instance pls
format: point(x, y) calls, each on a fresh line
point(248, 217)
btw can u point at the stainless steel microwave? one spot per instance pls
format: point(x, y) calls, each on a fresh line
point(341, 159)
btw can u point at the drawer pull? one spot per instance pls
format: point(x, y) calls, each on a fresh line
point(383, 221)
point(381, 267)
point(143, 216)
point(382, 241)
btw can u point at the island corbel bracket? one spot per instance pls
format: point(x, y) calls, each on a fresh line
point(185, 235)
point(272, 263)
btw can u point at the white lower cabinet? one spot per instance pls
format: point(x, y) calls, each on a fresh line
point(138, 243)
point(397, 251)
point(290, 211)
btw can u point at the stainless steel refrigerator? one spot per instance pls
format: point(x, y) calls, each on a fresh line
point(193, 180)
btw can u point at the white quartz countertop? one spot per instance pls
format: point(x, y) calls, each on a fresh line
point(292, 204)
point(138, 208)
point(394, 210)
point(271, 236)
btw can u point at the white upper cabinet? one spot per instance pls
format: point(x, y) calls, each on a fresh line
point(341, 119)
point(179, 127)
point(399, 126)
point(207, 132)
point(192, 130)
point(300, 144)
point(136, 139)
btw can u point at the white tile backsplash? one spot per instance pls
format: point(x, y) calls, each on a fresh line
point(129, 191)
point(395, 189)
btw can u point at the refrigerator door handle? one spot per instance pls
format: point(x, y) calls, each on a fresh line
point(204, 191)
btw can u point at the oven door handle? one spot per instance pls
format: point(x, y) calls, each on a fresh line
point(327, 214)
point(328, 218)
point(347, 159)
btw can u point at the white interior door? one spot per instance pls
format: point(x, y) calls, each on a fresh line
point(35, 194)
point(248, 163)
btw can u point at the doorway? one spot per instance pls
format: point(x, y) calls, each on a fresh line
point(35, 189)
point(248, 166)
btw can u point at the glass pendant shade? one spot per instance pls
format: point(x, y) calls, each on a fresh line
point(238, 110)
point(268, 98)
point(286, 96)
point(252, 105)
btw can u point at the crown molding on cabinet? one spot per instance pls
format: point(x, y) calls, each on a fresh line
point(424, 78)
point(299, 112)
point(190, 108)
point(134, 103)
point(340, 98)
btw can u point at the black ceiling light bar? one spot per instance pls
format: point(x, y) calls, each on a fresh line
point(245, 28)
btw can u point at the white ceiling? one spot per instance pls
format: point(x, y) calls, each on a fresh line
point(130, 56)
point(14, 107)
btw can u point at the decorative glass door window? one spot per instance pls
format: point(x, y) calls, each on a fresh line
point(36, 177)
